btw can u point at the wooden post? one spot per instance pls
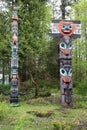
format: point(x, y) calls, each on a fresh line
point(14, 60)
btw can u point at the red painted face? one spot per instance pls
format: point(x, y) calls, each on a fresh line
point(14, 91)
point(66, 28)
point(66, 52)
point(66, 79)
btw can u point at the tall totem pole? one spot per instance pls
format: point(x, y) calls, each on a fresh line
point(65, 30)
point(14, 59)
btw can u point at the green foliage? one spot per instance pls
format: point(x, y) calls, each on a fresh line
point(81, 88)
point(49, 117)
point(45, 93)
point(4, 110)
point(45, 88)
point(19, 125)
point(34, 18)
point(63, 125)
point(80, 46)
point(80, 104)
point(43, 113)
point(5, 49)
point(83, 104)
point(48, 84)
point(5, 88)
point(38, 101)
point(4, 98)
point(33, 28)
point(80, 10)
point(52, 56)
point(34, 42)
point(25, 86)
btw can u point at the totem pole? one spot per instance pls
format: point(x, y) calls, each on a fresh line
point(65, 30)
point(14, 60)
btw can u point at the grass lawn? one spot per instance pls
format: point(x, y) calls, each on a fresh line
point(39, 114)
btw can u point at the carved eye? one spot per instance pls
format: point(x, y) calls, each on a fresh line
point(62, 45)
point(70, 46)
point(63, 27)
point(70, 27)
point(14, 48)
point(70, 72)
point(63, 72)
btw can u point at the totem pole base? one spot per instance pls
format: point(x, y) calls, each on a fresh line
point(14, 104)
point(67, 103)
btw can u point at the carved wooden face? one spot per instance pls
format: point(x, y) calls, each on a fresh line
point(14, 82)
point(15, 38)
point(14, 26)
point(14, 90)
point(14, 15)
point(65, 48)
point(14, 50)
point(14, 71)
point(14, 93)
point(66, 28)
point(14, 62)
point(66, 74)
point(14, 32)
point(68, 97)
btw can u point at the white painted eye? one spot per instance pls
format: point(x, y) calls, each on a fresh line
point(70, 27)
point(62, 45)
point(63, 72)
point(70, 72)
point(70, 46)
point(63, 27)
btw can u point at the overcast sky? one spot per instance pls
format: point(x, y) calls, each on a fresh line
point(55, 4)
point(3, 5)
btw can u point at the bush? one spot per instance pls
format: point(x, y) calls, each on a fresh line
point(5, 88)
point(25, 86)
point(80, 104)
point(80, 88)
point(44, 94)
point(63, 125)
point(4, 110)
point(38, 101)
point(43, 113)
point(4, 98)
point(20, 123)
